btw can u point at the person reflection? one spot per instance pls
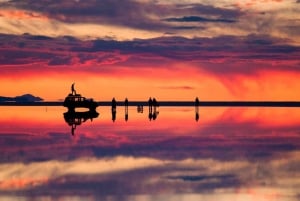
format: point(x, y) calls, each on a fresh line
point(150, 104)
point(150, 116)
point(75, 119)
point(153, 109)
point(196, 109)
point(126, 109)
point(113, 109)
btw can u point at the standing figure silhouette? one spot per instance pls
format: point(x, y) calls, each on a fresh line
point(113, 109)
point(73, 89)
point(126, 109)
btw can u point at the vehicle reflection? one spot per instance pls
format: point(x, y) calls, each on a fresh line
point(77, 118)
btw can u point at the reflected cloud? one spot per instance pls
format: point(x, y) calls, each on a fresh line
point(37, 173)
point(110, 176)
point(234, 153)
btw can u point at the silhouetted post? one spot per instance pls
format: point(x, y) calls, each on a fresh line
point(113, 109)
point(126, 109)
point(196, 109)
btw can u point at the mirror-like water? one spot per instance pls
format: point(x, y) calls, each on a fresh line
point(228, 154)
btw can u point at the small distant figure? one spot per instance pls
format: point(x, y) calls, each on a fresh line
point(114, 103)
point(73, 89)
point(197, 102)
point(113, 109)
point(197, 109)
point(126, 109)
point(150, 103)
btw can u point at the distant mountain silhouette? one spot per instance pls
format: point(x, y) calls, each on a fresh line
point(22, 98)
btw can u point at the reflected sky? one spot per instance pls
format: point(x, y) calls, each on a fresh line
point(229, 154)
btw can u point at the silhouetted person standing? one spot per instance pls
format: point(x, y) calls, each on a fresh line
point(150, 103)
point(113, 109)
point(197, 109)
point(73, 89)
point(126, 109)
point(197, 102)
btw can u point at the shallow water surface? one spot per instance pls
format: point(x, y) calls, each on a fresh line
point(228, 154)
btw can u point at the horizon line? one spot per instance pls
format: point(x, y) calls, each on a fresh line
point(171, 103)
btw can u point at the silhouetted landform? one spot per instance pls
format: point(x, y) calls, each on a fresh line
point(75, 119)
point(172, 103)
point(20, 99)
point(74, 100)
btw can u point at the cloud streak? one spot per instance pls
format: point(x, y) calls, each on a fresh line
point(221, 55)
point(130, 19)
point(198, 19)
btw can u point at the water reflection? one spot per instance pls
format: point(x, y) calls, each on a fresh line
point(153, 109)
point(232, 154)
point(197, 109)
point(75, 119)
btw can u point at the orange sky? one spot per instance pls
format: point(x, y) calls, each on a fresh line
point(162, 84)
point(224, 50)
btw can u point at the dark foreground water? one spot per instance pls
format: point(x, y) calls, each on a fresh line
point(228, 154)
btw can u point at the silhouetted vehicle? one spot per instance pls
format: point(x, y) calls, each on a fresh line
point(77, 118)
point(73, 101)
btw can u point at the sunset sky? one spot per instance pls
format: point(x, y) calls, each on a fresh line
point(172, 50)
